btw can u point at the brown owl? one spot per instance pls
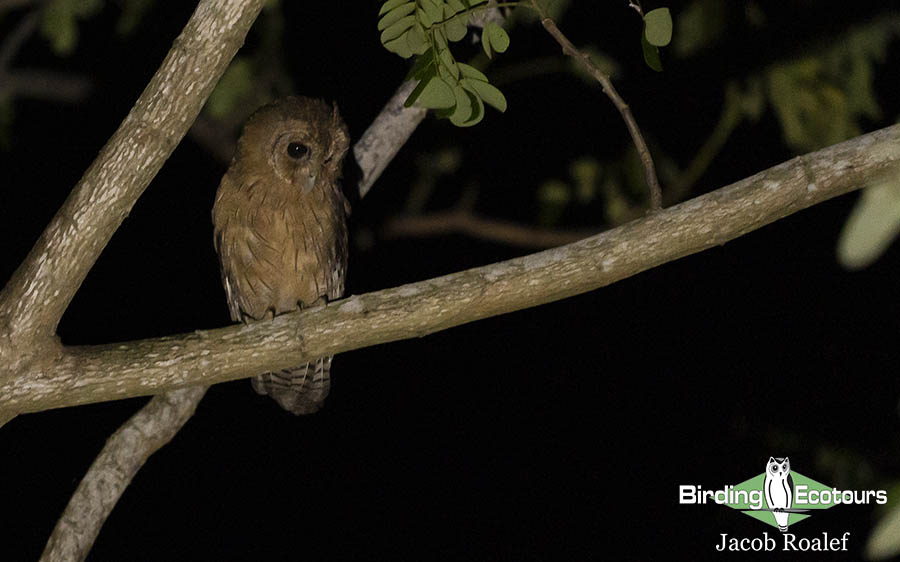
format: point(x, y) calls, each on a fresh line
point(280, 222)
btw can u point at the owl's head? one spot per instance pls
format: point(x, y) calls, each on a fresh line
point(302, 140)
point(778, 467)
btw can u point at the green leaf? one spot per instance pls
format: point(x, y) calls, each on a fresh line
point(468, 71)
point(422, 67)
point(487, 92)
point(450, 63)
point(463, 110)
point(872, 225)
point(884, 539)
point(456, 26)
point(700, 24)
point(651, 54)
point(440, 39)
point(456, 6)
point(553, 197)
point(435, 94)
point(486, 42)
point(400, 46)
point(398, 28)
point(658, 27)
point(390, 5)
point(477, 111)
point(399, 12)
point(417, 39)
point(232, 89)
point(59, 22)
point(432, 10)
point(498, 36)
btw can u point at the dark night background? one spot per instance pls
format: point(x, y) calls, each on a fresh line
point(555, 433)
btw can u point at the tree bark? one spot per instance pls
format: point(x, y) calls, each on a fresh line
point(81, 375)
point(41, 288)
point(124, 454)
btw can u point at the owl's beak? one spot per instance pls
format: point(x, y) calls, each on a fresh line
point(315, 167)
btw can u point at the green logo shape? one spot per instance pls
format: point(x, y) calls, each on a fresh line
point(753, 502)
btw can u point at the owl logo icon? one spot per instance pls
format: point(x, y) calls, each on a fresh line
point(779, 490)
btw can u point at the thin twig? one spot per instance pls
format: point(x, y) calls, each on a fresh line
point(636, 6)
point(493, 230)
point(16, 38)
point(606, 84)
point(6, 5)
point(45, 85)
point(729, 118)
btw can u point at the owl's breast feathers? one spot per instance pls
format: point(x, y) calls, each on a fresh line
point(279, 249)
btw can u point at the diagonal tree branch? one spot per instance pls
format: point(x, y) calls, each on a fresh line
point(41, 288)
point(111, 472)
point(384, 137)
point(160, 419)
point(81, 375)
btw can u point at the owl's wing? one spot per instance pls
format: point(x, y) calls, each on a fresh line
point(228, 282)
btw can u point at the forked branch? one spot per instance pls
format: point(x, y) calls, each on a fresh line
point(107, 372)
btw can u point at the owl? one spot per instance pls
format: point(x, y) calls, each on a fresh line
point(779, 488)
point(280, 229)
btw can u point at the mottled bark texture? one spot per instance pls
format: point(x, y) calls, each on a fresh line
point(384, 137)
point(39, 291)
point(34, 299)
point(81, 375)
point(124, 454)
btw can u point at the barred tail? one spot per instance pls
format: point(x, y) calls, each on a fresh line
point(300, 390)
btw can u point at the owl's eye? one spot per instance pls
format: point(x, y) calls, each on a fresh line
point(297, 150)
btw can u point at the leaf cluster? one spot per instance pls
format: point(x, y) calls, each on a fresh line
point(425, 28)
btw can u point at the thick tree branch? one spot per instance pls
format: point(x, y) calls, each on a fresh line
point(160, 420)
point(83, 375)
point(111, 472)
point(36, 296)
point(41, 288)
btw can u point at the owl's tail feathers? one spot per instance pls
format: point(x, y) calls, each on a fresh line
point(299, 390)
point(783, 528)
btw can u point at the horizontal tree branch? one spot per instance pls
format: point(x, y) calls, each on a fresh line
point(138, 438)
point(80, 375)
